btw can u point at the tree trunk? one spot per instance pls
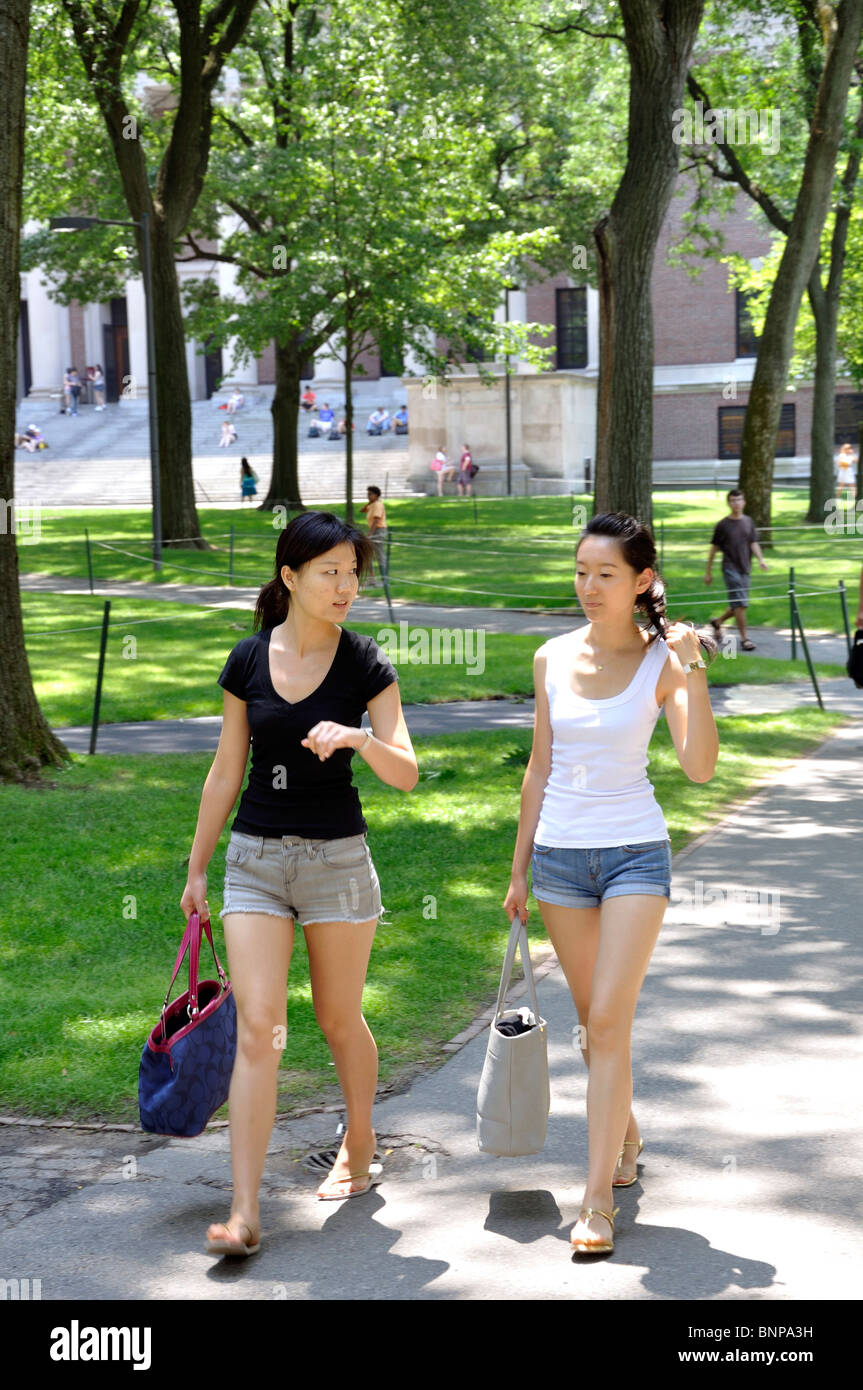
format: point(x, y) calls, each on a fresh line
point(284, 490)
point(26, 741)
point(825, 311)
point(180, 525)
point(795, 268)
point(349, 413)
point(659, 38)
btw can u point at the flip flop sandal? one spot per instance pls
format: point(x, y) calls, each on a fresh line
point(748, 646)
point(374, 1175)
point(717, 628)
point(232, 1245)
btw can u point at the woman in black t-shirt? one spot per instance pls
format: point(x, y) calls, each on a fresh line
point(296, 691)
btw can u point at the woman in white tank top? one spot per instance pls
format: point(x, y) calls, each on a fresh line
point(590, 826)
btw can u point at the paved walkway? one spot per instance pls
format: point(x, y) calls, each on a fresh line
point(202, 733)
point(746, 1050)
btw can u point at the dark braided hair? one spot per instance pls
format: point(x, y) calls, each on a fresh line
point(304, 538)
point(639, 552)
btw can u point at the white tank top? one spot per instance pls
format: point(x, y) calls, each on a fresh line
point(597, 793)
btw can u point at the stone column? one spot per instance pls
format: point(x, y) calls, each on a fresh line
point(49, 338)
point(134, 392)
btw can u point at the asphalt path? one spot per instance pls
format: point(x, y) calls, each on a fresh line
point(746, 1056)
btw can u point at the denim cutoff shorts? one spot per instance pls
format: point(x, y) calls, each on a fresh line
point(309, 880)
point(585, 877)
point(737, 586)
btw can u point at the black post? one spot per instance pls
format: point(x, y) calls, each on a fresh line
point(508, 403)
point(98, 700)
point(805, 646)
point(389, 548)
point(152, 405)
point(843, 599)
point(791, 604)
point(89, 559)
point(231, 557)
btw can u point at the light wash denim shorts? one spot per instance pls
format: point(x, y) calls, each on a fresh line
point(584, 877)
point(309, 880)
point(737, 586)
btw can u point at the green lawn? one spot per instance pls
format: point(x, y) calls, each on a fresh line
point(169, 670)
point(93, 868)
point(505, 552)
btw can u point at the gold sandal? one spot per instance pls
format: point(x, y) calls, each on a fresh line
point(599, 1247)
point(615, 1182)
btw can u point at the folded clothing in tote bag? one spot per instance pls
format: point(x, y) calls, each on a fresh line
point(513, 1099)
point(187, 1061)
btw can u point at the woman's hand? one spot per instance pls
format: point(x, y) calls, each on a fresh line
point(683, 641)
point(194, 897)
point(516, 898)
point(326, 737)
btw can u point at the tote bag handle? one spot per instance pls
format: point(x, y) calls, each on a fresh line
point(192, 942)
point(517, 940)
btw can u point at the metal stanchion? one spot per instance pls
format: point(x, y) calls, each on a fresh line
point(792, 605)
point(805, 646)
point(89, 559)
point(98, 700)
point(231, 558)
point(843, 599)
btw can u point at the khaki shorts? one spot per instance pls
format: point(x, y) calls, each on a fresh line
point(309, 880)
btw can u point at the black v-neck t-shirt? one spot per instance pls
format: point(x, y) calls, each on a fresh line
point(290, 791)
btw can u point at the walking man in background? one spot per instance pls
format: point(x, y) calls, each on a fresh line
point(735, 535)
point(376, 517)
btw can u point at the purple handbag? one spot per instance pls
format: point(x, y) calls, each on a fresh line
point(187, 1061)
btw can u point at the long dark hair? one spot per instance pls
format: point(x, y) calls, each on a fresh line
point(310, 534)
point(639, 552)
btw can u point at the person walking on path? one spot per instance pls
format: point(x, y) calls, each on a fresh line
point(297, 852)
point(97, 382)
point(846, 474)
point(376, 519)
point(441, 468)
point(248, 479)
point(591, 829)
point(467, 471)
point(735, 535)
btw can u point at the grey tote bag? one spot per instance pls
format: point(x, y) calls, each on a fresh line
point(513, 1099)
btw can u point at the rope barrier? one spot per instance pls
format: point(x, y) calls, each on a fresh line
point(132, 622)
point(192, 569)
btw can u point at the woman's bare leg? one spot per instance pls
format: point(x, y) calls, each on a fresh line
point(629, 926)
point(574, 934)
point(259, 955)
point(338, 960)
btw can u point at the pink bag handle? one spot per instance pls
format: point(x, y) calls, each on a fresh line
point(192, 942)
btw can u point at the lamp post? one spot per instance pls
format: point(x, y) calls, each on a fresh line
point(76, 224)
point(506, 293)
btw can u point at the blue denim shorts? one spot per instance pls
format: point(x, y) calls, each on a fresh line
point(585, 877)
point(737, 586)
point(309, 880)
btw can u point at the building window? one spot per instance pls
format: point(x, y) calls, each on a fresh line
point(849, 417)
point(747, 341)
point(731, 432)
point(571, 318)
